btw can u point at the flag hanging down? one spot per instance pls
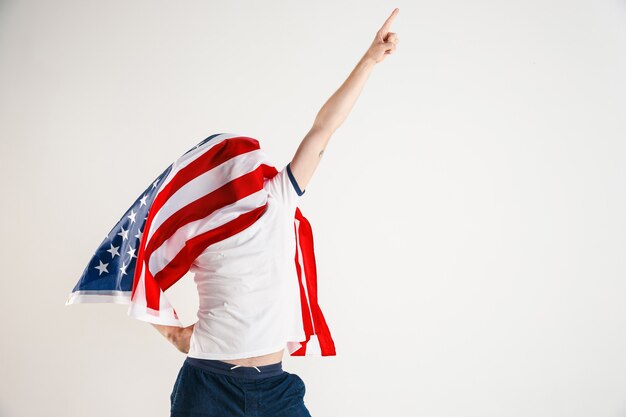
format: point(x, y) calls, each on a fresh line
point(108, 277)
point(210, 193)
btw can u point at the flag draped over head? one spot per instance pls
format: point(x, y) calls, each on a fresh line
point(210, 193)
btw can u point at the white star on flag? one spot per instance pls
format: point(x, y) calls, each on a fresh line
point(123, 268)
point(132, 215)
point(113, 251)
point(124, 234)
point(102, 268)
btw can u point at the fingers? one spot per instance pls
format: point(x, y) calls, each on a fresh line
point(387, 25)
point(389, 47)
point(385, 41)
point(392, 37)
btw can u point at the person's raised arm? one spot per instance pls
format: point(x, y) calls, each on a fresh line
point(336, 109)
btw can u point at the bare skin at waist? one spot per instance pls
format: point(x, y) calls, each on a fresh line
point(268, 359)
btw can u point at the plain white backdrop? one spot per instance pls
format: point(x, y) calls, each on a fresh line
point(469, 216)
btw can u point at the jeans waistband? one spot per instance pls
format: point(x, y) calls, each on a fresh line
point(238, 371)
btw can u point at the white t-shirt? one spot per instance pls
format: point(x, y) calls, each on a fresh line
point(248, 284)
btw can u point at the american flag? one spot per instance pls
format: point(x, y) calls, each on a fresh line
point(210, 193)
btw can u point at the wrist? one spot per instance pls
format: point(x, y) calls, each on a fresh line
point(181, 338)
point(367, 61)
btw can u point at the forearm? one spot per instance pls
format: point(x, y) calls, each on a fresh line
point(336, 109)
point(178, 336)
point(169, 332)
point(338, 106)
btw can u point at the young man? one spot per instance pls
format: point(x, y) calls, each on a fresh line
point(235, 349)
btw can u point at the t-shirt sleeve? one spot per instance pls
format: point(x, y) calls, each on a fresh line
point(284, 187)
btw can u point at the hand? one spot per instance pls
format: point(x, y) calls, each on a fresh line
point(182, 338)
point(385, 42)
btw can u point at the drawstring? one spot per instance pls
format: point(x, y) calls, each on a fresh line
point(237, 366)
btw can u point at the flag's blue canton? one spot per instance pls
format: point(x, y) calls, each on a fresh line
point(112, 267)
point(113, 264)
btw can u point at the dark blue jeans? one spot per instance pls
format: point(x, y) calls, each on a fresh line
point(211, 388)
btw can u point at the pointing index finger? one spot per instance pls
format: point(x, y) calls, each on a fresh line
point(387, 23)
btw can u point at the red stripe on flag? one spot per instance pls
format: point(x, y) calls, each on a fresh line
point(306, 312)
point(305, 234)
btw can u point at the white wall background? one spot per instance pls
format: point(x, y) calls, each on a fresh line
point(469, 215)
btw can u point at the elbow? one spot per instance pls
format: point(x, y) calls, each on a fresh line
point(320, 133)
point(324, 125)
